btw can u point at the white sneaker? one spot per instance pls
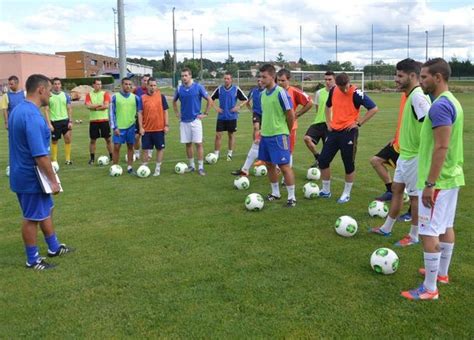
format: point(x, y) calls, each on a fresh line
point(156, 173)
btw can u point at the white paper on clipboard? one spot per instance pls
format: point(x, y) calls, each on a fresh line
point(44, 182)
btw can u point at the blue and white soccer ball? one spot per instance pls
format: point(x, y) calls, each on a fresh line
point(311, 190)
point(180, 168)
point(378, 209)
point(115, 170)
point(143, 171)
point(346, 226)
point(313, 174)
point(384, 261)
point(103, 160)
point(254, 202)
point(55, 166)
point(211, 158)
point(241, 183)
point(260, 170)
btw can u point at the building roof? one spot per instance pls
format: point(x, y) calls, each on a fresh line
point(34, 53)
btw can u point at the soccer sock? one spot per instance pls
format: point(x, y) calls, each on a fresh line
point(275, 189)
point(291, 160)
point(316, 156)
point(200, 164)
point(52, 242)
point(229, 153)
point(326, 186)
point(388, 225)
point(217, 152)
point(291, 192)
point(54, 152)
point(93, 156)
point(67, 151)
point(191, 163)
point(110, 155)
point(414, 233)
point(32, 254)
point(158, 166)
point(251, 157)
point(388, 186)
point(129, 167)
point(431, 270)
point(347, 189)
point(446, 253)
point(150, 153)
point(137, 153)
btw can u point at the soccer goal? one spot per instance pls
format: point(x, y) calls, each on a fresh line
point(247, 78)
point(311, 79)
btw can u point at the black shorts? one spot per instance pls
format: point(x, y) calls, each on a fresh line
point(389, 154)
point(317, 132)
point(346, 141)
point(226, 125)
point(60, 128)
point(153, 139)
point(99, 130)
point(257, 118)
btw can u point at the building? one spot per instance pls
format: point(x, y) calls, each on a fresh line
point(23, 64)
point(86, 64)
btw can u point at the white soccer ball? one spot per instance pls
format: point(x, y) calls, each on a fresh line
point(55, 166)
point(346, 226)
point(134, 157)
point(384, 261)
point(254, 202)
point(211, 158)
point(143, 171)
point(406, 198)
point(378, 209)
point(7, 171)
point(313, 174)
point(103, 160)
point(310, 190)
point(115, 170)
point(241, 183)
point(260, 170)
point(180, 168)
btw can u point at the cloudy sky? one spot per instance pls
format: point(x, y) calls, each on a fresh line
point(52, 25)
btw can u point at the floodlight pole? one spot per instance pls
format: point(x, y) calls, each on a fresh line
point(228, 43)
point(263, 43)
point(121, 40)
point(115, 30)
point(442, 48)
point(408, 41)
point(426, 46)
point(301, 42)
point(200, 43)
point(174, 53)
point(336, 43)
point(372, 54)
point(192, 29)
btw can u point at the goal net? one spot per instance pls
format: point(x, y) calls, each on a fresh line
point(314, 79)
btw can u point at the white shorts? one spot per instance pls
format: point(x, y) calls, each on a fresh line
point(191, 132)
point(434, 221)
point(406, 172)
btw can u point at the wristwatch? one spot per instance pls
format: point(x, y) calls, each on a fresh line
point(358, 124)
point(430, 184)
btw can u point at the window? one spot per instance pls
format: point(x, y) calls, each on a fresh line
point(93, 62)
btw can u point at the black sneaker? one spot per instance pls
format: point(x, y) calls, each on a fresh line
point(62, 250)
point(386, 196)
point(272, 197)
point(68, 163)
point(290, 203)
point(91, 162)
point(239, 173)
point(315, 165)
point(41, 264)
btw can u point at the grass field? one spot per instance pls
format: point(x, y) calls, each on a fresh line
point(180, 257)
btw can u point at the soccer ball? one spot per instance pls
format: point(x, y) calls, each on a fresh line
point(103, 160)
point(241, 183)
point(346, 226)
point(254, 202)
point(313, 174)
point(7, 171)
point(406, 198)
point(143, 171)
point(115, 170)
point(378, 208)
point(180, 168)
point(260, 170)
point(55, 166)
point(310, 190)
point(384, 261)
point(134, 157)
point(211, 158)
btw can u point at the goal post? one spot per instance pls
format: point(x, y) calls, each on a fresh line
point(247, 78)
point(313, 78)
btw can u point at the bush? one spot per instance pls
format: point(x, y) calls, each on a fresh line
point(107, 80)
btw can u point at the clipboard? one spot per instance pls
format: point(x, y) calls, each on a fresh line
point(44, 182)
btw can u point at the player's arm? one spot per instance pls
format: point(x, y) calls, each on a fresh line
point(105, 105)
point(364, 100)
point(113, 118)
point(69, 111)
point(5, 110)
point(304, 109)
point(287, 107)
point(89, 104)
point(243, 100)
point(140, 123)
point(175, 105)
point(48, 121)
point(165, 107)
point(249, 100)
point(328, 110)
point(210, 103)
point(214, 96)
point(290, 118)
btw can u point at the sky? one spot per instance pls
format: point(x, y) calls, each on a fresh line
point(49, 26)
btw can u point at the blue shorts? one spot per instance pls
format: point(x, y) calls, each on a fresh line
point(35, 207)
point(153, 139)
point(126, 136)
point(275, 149)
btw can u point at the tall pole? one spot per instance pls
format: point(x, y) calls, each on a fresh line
point(301, 42)
point(263, 43)
point(336, 43)
point(174, 53)
point(192, 30)
point(442, 48)
point(426, 46)
point(372, 54)
point(200, 44)
point(121, 40)
point(115, 30)
point(408, 42)
point(228, 43)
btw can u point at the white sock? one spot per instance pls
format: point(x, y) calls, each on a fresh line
point(291, 160)
point(326, 186)
point(191, 162)
point(414, 233)
point(137, 153)
point(431, 270)
point(291, 192)
point(251, 157)
point(216, 152)
point(129, 167)
point(347, 189)
point(446, 253)
point(150, 153)
point(200, 164)
point(229, 152)
point(388, 225)
point(158, 166)
point(275, 189)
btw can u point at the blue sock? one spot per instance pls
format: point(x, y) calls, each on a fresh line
point(32, 254)
point(52, 242)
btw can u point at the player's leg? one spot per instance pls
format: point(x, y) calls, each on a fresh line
point(196, 128)
point(67, 143)
point(330, 148)
point(395, 207)
point(55, 137)
point(55, 248)
point(218, 143)
point(186, 139)
point(136, 144)
point(118, 139)
point(129, 138)
point(310, 140)
point(159, 143)
point(348, 145)
point(289, 178)
point(146, 145)
point(231, 129)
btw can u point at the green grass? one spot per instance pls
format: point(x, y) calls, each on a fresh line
point(179, 256)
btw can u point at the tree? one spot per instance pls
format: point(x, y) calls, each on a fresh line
point(167, 62)
point(193, 65)
point(280, 58)
point(302, 62)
